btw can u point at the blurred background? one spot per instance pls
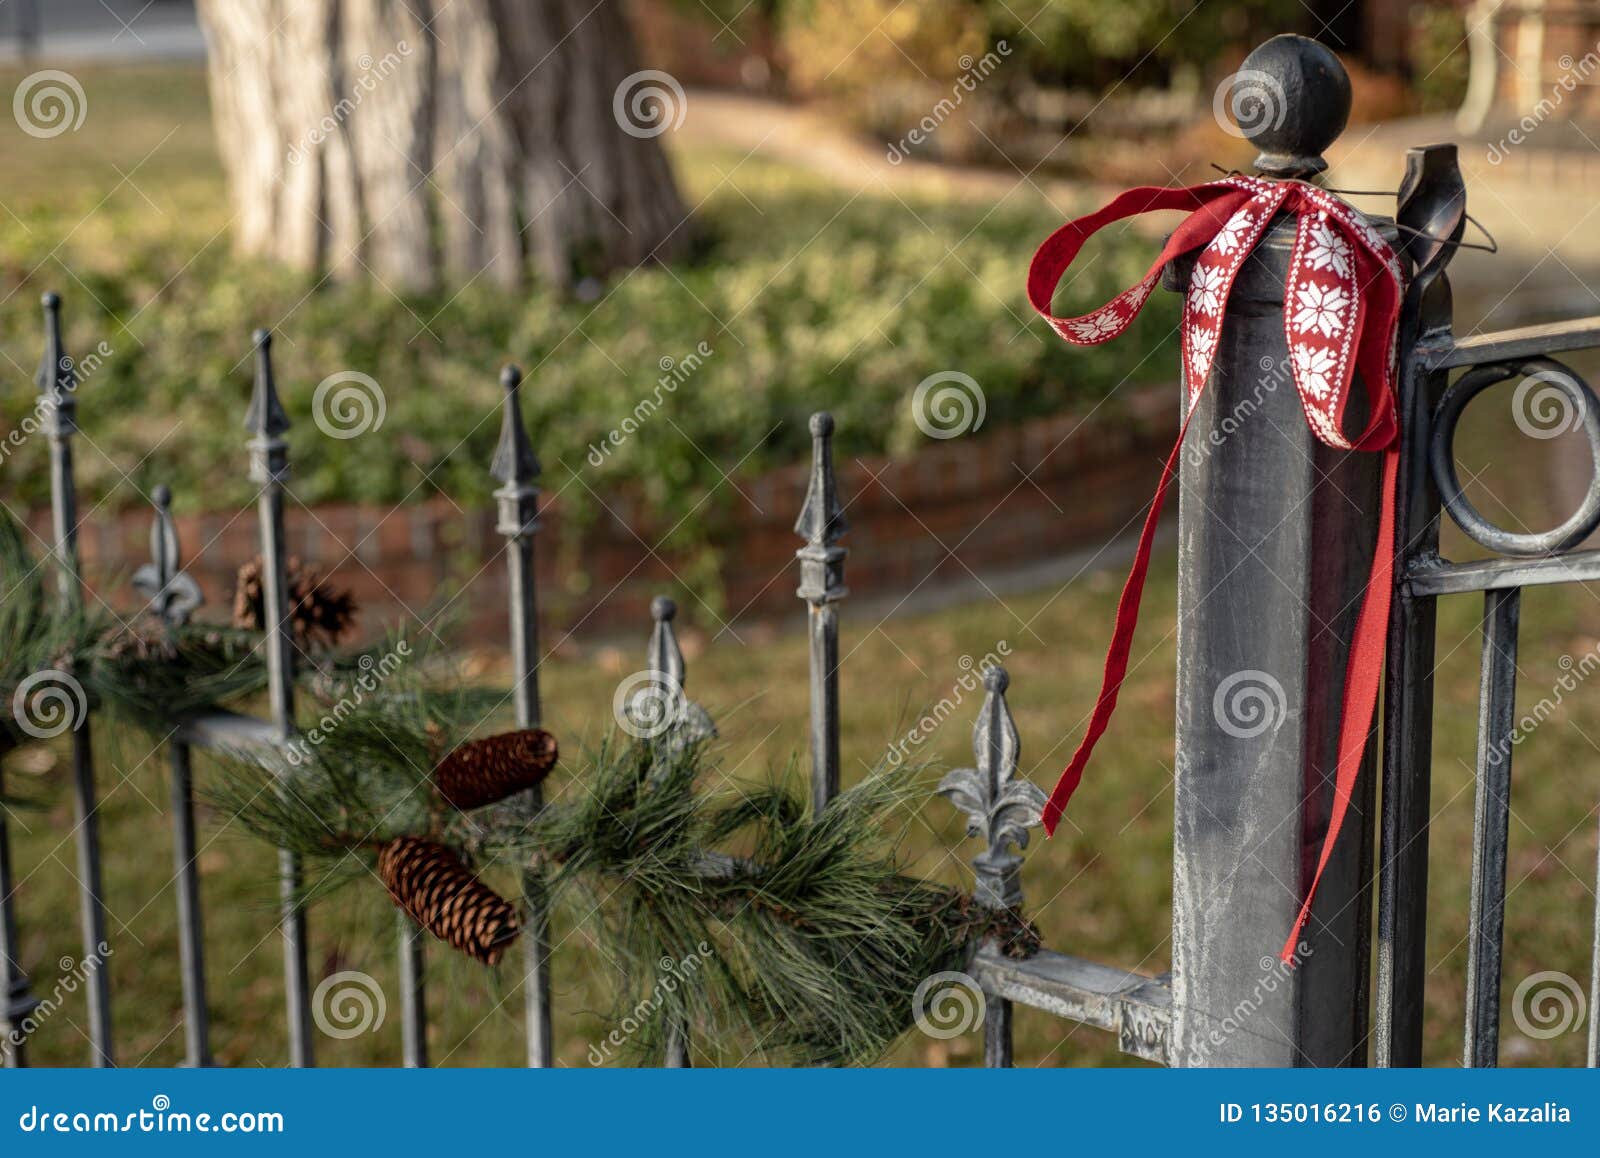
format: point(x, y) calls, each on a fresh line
point(694, 222)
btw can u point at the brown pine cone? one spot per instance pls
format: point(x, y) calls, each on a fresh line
point(439, 893)
point(484, 771)
point(319, 613)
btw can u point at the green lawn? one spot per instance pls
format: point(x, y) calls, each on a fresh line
point(1100, 890)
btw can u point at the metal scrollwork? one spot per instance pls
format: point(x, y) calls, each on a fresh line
point(1545, 383)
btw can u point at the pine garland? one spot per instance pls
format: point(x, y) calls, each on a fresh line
point(736, 914)
point(486, 771)
point(439, 893)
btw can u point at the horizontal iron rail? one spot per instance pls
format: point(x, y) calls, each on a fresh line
point(222, 729)
point(1137, 1008)
point(1511, 345)
point(1432, 577)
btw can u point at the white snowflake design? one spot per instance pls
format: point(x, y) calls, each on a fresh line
point(1096, 326)
point(1232, 234)
point(1320, 308)
point(1202, 346)
point(1312, 365)
point(1135, 295)
point(1205, 289)
point(1328, 250)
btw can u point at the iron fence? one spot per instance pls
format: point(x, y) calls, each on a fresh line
point(1250, 810)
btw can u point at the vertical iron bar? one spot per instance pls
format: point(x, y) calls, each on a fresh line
point(516, 467)
point(1594, 977)
point(821, 524)
point(1491, 823)
point(1001, 809)
point(58, 383)
point(1432, 204)
point(666, 661)
point(13, 981)
point(269, 469)
point(413, 995)
point(191, 938)
point(173, 597)
point(997, 1035)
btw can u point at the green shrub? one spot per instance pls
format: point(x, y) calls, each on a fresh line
point(806, 298)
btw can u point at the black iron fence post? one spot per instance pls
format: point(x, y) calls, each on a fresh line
point(516, 468)
point(821, 524)
point(1432, 207)
point(1000, 808)
point(14, 985)
point(269, 469)
point(1276, 533)
point(173, 597)
point(58, 382)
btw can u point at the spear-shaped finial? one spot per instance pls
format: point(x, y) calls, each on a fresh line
point(266, 417)
point(56, 379)
point(666, 657)
point(821, 521)
point(514, 460)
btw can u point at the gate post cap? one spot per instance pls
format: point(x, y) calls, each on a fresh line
point(1291, 99)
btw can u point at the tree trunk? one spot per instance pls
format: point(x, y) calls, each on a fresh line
point(442, 140)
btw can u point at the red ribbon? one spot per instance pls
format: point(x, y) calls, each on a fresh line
point(1341, 310)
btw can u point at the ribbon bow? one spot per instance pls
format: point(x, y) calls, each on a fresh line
point(1340, 313)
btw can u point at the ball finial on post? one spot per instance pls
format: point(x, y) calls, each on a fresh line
point(1290, 99)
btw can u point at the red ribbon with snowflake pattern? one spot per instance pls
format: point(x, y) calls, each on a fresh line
point(1341, 311)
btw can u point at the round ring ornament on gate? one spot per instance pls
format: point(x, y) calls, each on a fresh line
point(1576, 400)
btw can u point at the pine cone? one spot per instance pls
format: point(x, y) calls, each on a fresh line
point(319, 614)
point(437, 891)
point(484, 771)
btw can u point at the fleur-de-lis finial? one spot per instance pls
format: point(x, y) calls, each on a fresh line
point(173, 594)
point(999, 807)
